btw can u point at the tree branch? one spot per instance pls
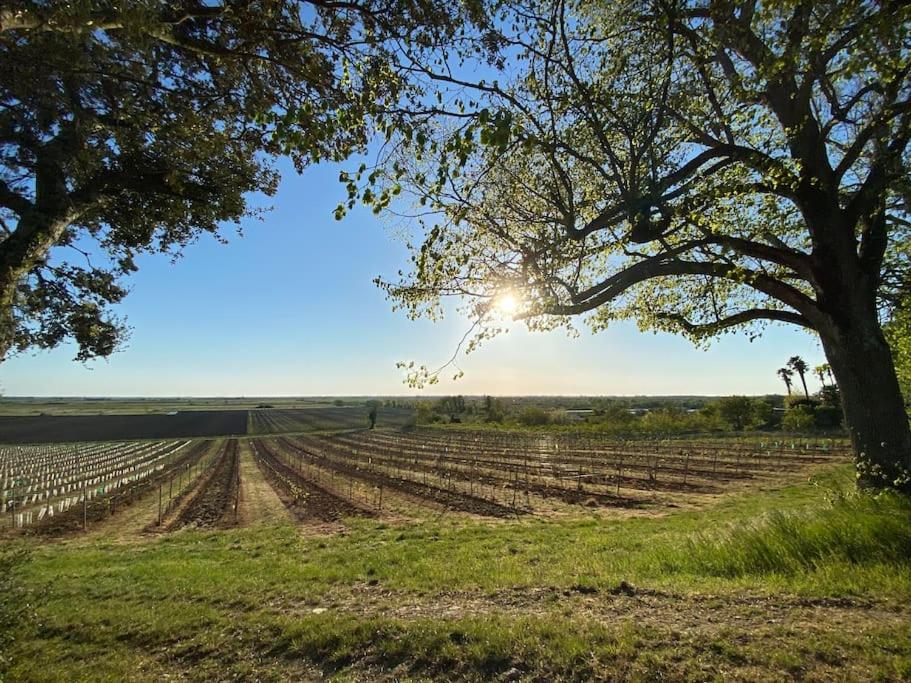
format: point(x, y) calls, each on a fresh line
point(13, 200)
point(747, 316)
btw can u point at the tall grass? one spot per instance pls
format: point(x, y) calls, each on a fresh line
point(848, 529)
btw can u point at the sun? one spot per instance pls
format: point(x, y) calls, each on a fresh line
point(507, 303)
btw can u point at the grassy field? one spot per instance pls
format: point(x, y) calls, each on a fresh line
point(799, 582)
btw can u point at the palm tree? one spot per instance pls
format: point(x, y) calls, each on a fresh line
point(823, 371)
point(786, 375)
point(820, 373)
point(799, 366)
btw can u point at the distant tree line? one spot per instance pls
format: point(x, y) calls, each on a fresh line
point(663, 415)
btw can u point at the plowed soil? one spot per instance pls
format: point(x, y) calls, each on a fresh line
point(214, 505)
point(68, 428)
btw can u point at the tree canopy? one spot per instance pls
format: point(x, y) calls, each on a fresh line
point(898, 333)
point(697, 166)
point(649, 159)
point(135, 127)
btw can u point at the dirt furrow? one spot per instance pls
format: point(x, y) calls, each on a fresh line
point(215, 504)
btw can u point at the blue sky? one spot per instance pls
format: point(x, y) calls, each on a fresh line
point(290, 309)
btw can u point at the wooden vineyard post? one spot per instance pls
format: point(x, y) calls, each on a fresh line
point(527, 499)
point(159, 504)
point(619, 474)
point(381, 498)
point(170, 491)
point(85, 511)
point(525, 465)
point(591, 466)
point(686, 468)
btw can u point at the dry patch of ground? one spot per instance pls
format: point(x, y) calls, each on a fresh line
point(259, 503)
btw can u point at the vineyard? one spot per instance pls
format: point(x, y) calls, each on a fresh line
point(502, 474)
point(41, 483)
point(328, 477)
point(444, 538)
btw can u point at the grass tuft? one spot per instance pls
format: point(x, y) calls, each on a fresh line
point(854, 529)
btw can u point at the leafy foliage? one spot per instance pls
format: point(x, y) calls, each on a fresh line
point(739, 411)
point(131, 128)
point(898, 333)
point(652, 142)
point(699, 167)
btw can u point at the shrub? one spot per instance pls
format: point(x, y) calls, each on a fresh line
point(426, 415)
point(737, 411)
point(806, 414)
point(559, 417)
point(534, 416)
point(828, 417)
point(676, 421)
point(798, 418)
point(493, 409)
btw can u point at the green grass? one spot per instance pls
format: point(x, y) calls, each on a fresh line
point(850, 530)
point(459, 599)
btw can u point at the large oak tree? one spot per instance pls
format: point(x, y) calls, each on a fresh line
point(131, 127)
point(698, 166)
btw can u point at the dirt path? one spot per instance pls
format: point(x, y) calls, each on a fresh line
point(258, 501)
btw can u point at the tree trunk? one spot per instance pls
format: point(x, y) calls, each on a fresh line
point(9, 280)
point(873, 405)
point(34, 236)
